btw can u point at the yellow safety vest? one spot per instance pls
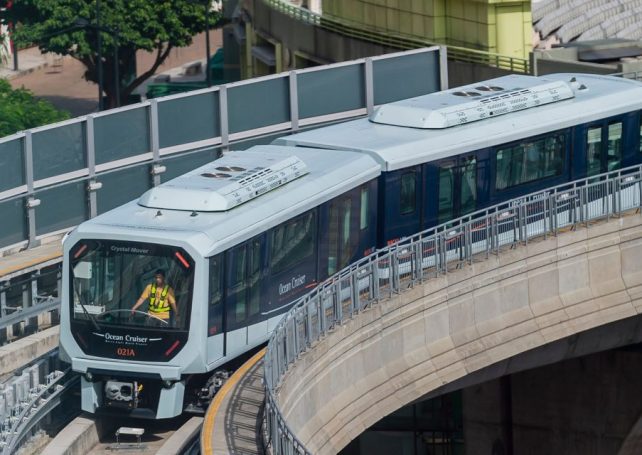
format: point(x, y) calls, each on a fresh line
point(159, 307)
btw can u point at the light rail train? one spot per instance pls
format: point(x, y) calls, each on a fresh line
point(232, 244)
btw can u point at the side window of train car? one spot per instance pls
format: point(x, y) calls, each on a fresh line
point(215, 308)
point(446, 200)
point(614, 146)
point(594, 150)
point(292, 242)
point(408, 193)
point(342, 240)
point(530, 160)
point(237, 260)
point(603, 156)
point(640, 133)
point(468, 195)
point(365, 205)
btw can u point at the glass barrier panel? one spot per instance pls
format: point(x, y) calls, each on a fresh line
point(59, 150)
point(121, 134)
point(61, 207)
point(332, 90)
point(13, 228)
point(12, 168)
point(122, 186)
point(258, 104)
point(420, 76)
point(197, 115)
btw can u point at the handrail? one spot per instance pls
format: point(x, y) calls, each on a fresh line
point(398, 40)
point(431, 253)
point(43, 400)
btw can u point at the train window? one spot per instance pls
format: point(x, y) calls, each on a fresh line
point(408, 193)
point(468, 196)
point(363, 218)
point(614, 150)
point(641, 133)
point(529, 161)
point(292, 242)
point(593, 150)
point(346, 244)
point(215, 312)
point(254, 276)
point(238, 257)
point(446, 191)
point(112, 281)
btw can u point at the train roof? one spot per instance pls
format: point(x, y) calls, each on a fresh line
point(327, 174)
point(451, 122)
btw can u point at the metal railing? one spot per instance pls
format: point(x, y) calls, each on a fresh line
point(397, 40)
point(35, 402)
point(428, 254)
point(25, 297)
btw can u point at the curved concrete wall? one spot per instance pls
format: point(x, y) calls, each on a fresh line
point(459, 323)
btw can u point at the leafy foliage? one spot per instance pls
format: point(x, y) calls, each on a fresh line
point(68, 27)
point(19, 110)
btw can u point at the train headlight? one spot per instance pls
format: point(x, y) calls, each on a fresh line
point(167, 384)
point(89, 377)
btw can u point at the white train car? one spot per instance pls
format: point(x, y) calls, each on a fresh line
point(159, 293)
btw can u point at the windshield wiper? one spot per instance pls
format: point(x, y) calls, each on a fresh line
point(87, 313)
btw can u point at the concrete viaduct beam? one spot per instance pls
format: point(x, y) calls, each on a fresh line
point(454, 325)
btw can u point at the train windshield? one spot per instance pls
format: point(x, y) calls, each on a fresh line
point(130, 284)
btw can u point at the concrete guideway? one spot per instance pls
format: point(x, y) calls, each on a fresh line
point(456, 324)
point(232, 424)
point(16, 355)
point(26, 261)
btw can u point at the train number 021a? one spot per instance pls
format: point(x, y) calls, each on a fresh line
point(126, 352)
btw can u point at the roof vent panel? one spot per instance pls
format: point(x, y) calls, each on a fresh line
point(442, 110)
point(208, 189)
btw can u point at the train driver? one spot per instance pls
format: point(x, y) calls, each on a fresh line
point(160, 296)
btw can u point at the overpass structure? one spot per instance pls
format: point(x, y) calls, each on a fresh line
point(535, 280)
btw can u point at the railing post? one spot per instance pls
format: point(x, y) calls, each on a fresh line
point(369, 83)
point(223, 118)
point(376, 291)
point(356, 304)
point(154, 140)
point(322, 321)
point(32, 202)
point(3, 312)
point(90, 147)
point(294, 101)
point(338, 303)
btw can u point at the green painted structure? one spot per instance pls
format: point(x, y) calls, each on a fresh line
point(498, 26)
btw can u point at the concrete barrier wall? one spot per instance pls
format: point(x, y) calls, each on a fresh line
point(19, 353)
point(459, 323)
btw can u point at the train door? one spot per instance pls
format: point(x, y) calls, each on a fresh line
point(402, 204)
point(341, 242)
point(452, 188)
point(603, 144)
point(215, 319)
point(245, 264)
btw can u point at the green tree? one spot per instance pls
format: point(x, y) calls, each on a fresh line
point(20, 110)
point(68, 27)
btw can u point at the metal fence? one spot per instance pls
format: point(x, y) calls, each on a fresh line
point(399, 41)
point(429, 254)
point(56, 176)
